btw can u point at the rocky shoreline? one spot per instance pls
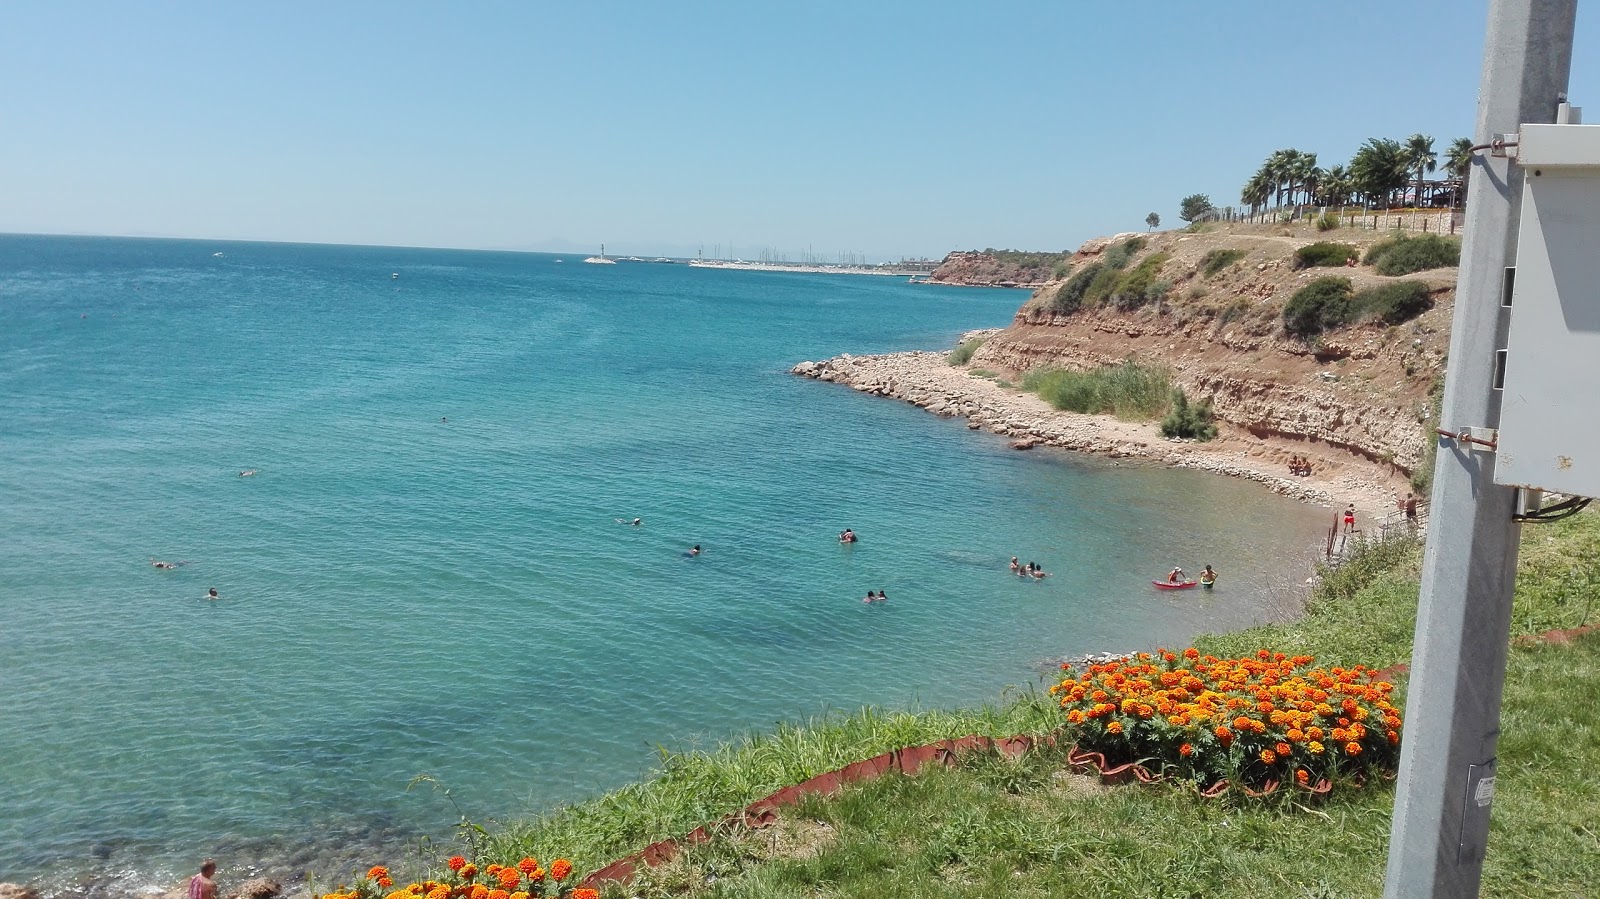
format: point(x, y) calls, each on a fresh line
point(927, 380)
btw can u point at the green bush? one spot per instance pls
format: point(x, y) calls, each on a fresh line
point(1070, 295)
point(1217, 260)
point(1402, 255)
point(1328, 221)
point(1060, 270)
point(1136, 287)
point(1325, 254)
point(1117, 256)
point(962, 354)
point(1101, 286)
point(1393, 303)
point(1193, 422)
point(1129, 390)
point(1320, 305)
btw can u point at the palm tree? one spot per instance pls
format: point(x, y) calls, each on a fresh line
point(1380, 168)
point(1457, 163)
point(1335, 187)
point(1256, 191)
point(1303, 176)
point(1420, 156)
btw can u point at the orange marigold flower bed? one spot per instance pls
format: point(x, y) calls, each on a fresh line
point(458, 883)
point(1253, 721)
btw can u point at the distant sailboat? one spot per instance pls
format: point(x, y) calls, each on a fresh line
point(601, 259)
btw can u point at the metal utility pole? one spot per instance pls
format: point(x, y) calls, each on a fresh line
point(1441, 813)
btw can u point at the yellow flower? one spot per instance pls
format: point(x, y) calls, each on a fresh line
point(1315, 747)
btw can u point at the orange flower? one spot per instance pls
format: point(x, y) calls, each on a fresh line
point(385, 882)
point(1352, 749)
point(479, 891)
point(499, 894)
point(439, 892)
point(1185, 750)
point(1283, 749)
point(1302, 778)
point(469, 871)
point(492, 870)
point(1394, 738)
point(377, 872)
point(585, 893)
point(1268, 756)
point(510, 877)
point(1191, 653)
point(519, 894)
point(1114, 727)
point(456, 863)
point(560, 868)
point(1223, 734)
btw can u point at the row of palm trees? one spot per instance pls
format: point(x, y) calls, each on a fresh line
point(1380, 170)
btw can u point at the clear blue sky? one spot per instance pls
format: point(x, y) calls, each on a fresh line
point(888, 128)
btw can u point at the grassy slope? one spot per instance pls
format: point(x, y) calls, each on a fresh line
point(1026, 829)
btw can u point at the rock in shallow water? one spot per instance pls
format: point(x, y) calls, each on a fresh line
point(17, 891)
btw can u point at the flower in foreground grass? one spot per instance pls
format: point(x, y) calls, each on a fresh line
point(584, 893)
point(456, 863)
point(439, 892)
point(1185, 750)
point(528, 865)
point(478, 891)
point(560, 868)
point(468, 871)
point(1268, 756)
point(1302, 778)
point(509, 877)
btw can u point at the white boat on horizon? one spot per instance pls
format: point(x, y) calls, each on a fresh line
point(601, 259)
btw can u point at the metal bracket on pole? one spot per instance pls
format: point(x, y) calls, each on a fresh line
point(1488, 438)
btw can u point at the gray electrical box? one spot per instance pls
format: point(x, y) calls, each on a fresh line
point(1550, 412)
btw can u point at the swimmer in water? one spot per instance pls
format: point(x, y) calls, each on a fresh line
point(248, 473)
point(695, 551)
point(635, 522)
point(157, 563)
point(870, 597)
point(847, 536)
point(1015, 567)
point(211, 593)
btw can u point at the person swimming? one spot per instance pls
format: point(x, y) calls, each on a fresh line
point(871, 597)
point(695, 551)
point(247, 473)
point(635, 522)
point(847, 536)
point(211, 593)
point(1016, 567)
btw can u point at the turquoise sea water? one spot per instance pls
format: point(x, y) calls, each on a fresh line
point(404, 594)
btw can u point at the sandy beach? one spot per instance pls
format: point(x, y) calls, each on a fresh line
point(926, 379)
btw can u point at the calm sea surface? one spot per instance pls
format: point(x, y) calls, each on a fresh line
point(427, 576)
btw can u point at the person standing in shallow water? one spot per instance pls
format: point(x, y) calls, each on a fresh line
point(201, 886)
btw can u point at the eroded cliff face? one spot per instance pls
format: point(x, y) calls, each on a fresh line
point(1364, 388)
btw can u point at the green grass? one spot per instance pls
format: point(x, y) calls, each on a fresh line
point(962, 354)
point(995, 827)
point(1217, 260)
point(1130, 391)
point(1138, 286)
point(693, 788)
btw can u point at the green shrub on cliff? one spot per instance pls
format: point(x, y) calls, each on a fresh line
point(1136, 287)
point(1402, 255)
point(1325, 254)
point(1393, 303)
point(962, 354)
point(1320, 305)
point(1117, 256)
point(1070, 295)
point(1217, 260)
point(1129, 391)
